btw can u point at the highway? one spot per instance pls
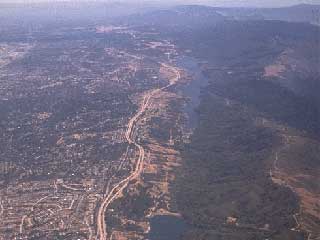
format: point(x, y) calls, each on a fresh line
point(1, 208)
point(119, 187)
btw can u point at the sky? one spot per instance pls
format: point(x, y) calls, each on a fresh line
point(227, 3)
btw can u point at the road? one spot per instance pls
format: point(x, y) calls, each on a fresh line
point(21, 224)
point(1, 208)
point(118, 188)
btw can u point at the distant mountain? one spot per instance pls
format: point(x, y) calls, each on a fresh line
point(298, 13)
point(185, 15)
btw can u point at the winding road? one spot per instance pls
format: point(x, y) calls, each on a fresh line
point(119, 187)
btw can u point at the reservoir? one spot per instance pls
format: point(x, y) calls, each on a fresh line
point(166, 227)
point(192, 90)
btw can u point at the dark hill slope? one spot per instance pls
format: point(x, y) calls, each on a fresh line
point(251, 113)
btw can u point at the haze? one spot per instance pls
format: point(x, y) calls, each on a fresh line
point(225, 3)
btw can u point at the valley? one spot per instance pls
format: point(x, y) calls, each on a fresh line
point(185, 122)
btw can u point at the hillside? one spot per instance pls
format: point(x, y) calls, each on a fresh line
point(299, 13)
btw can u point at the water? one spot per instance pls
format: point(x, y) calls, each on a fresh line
point(192, 90)
point(165, 227)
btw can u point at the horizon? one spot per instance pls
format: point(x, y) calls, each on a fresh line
point(219, 3)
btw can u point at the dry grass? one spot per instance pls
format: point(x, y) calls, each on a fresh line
point(274, 70)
